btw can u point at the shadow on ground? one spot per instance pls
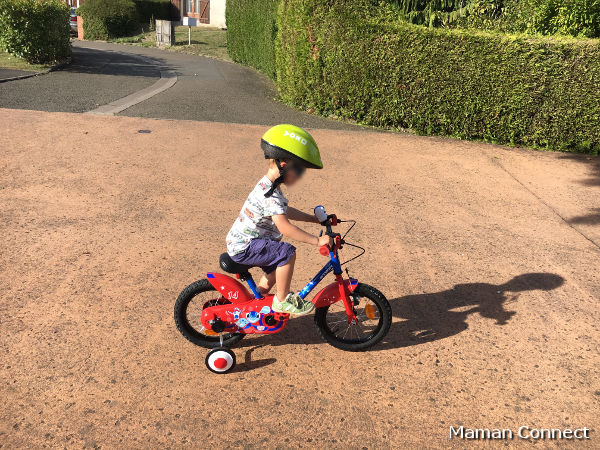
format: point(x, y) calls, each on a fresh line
point(104, 62)
point(433, 316)
point(425, 317)
point(193, 41)
point(593, 164)
point(250, 364)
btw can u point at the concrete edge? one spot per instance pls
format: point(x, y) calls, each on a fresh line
point(35, 74)
point(167, 79)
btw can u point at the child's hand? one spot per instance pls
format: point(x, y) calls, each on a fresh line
point(325, 240)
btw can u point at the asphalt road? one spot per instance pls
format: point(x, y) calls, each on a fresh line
point(207, 89)
point(10, 73)
point(96, 77)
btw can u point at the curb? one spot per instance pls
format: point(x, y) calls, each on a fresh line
point(35, 74)
point(167, 79)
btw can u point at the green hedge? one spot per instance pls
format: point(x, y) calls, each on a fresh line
point(37, 31)
point(538, 92)
point(106, 19)
point(251, 31)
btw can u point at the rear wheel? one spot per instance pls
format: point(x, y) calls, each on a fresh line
point(188, 312)
point(374, 315)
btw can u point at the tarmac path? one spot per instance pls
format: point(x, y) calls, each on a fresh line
point(489, 257)
point(206, 89)
point(6, 74)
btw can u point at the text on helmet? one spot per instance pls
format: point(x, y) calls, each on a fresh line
point(294, 136)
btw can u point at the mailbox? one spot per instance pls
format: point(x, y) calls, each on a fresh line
point(190, 21)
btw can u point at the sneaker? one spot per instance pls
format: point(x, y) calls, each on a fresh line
point(292, 304)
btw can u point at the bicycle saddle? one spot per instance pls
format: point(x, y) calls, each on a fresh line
point(230, 266)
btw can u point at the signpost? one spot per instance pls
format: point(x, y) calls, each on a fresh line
point(190, 22)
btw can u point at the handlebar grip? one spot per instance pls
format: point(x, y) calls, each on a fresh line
point(324, 250)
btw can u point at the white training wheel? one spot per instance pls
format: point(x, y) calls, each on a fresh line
point(220, 360)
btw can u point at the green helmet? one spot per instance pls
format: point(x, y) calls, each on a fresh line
point(292, 143)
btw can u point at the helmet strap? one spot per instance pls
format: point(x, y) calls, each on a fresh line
point(278, 180)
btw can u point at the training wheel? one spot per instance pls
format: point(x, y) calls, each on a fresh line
point(220, 360)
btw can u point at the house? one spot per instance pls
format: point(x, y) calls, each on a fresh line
point(206, 12)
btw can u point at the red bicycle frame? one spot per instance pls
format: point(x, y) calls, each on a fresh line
point(235, 292)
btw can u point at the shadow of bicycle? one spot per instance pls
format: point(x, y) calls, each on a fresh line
point(430, 316)
point(252, 364)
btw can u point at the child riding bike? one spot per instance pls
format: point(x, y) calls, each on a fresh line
point(255, 237)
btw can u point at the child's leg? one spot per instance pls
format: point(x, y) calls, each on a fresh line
point(283, 278)
point(266, 283)
point(284, 301)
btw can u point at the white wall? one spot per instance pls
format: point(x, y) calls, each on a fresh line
point(217, 13)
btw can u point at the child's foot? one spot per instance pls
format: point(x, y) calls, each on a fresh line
point(292, 304)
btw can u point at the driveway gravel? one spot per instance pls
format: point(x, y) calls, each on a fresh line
point(488, 255)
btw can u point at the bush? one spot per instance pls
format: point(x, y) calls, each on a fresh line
point(537, 92)
point(571, 17)
point(37, 31)
point(251, 31)
point(106, 19)
point(150, 10)
point(548, 17)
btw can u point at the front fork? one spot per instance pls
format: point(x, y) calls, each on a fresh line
point(345, 296)
point(343, 290)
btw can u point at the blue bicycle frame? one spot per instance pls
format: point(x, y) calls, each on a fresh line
point(332, 264)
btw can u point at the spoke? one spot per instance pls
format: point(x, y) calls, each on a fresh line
point(196, 306)
point(355, 328)
point(363, 330)
point(347, 328)
point(338, 321)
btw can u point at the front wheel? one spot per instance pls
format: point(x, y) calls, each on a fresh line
point(374, 315)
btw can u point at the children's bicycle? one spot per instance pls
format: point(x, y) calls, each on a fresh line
point(219, 311)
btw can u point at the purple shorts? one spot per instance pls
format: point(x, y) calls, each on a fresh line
point(266, 254)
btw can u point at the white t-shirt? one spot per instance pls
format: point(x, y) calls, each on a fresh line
point(254, 221)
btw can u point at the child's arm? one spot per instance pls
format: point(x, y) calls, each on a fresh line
point(293, 232)
point(296, 214)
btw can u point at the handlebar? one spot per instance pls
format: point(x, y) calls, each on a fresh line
point(337, 243)
point(328, 220)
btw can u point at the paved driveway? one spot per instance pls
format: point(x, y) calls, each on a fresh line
point(96, 77)
point(488, 255)
point(11, 73)
point(206, 89)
